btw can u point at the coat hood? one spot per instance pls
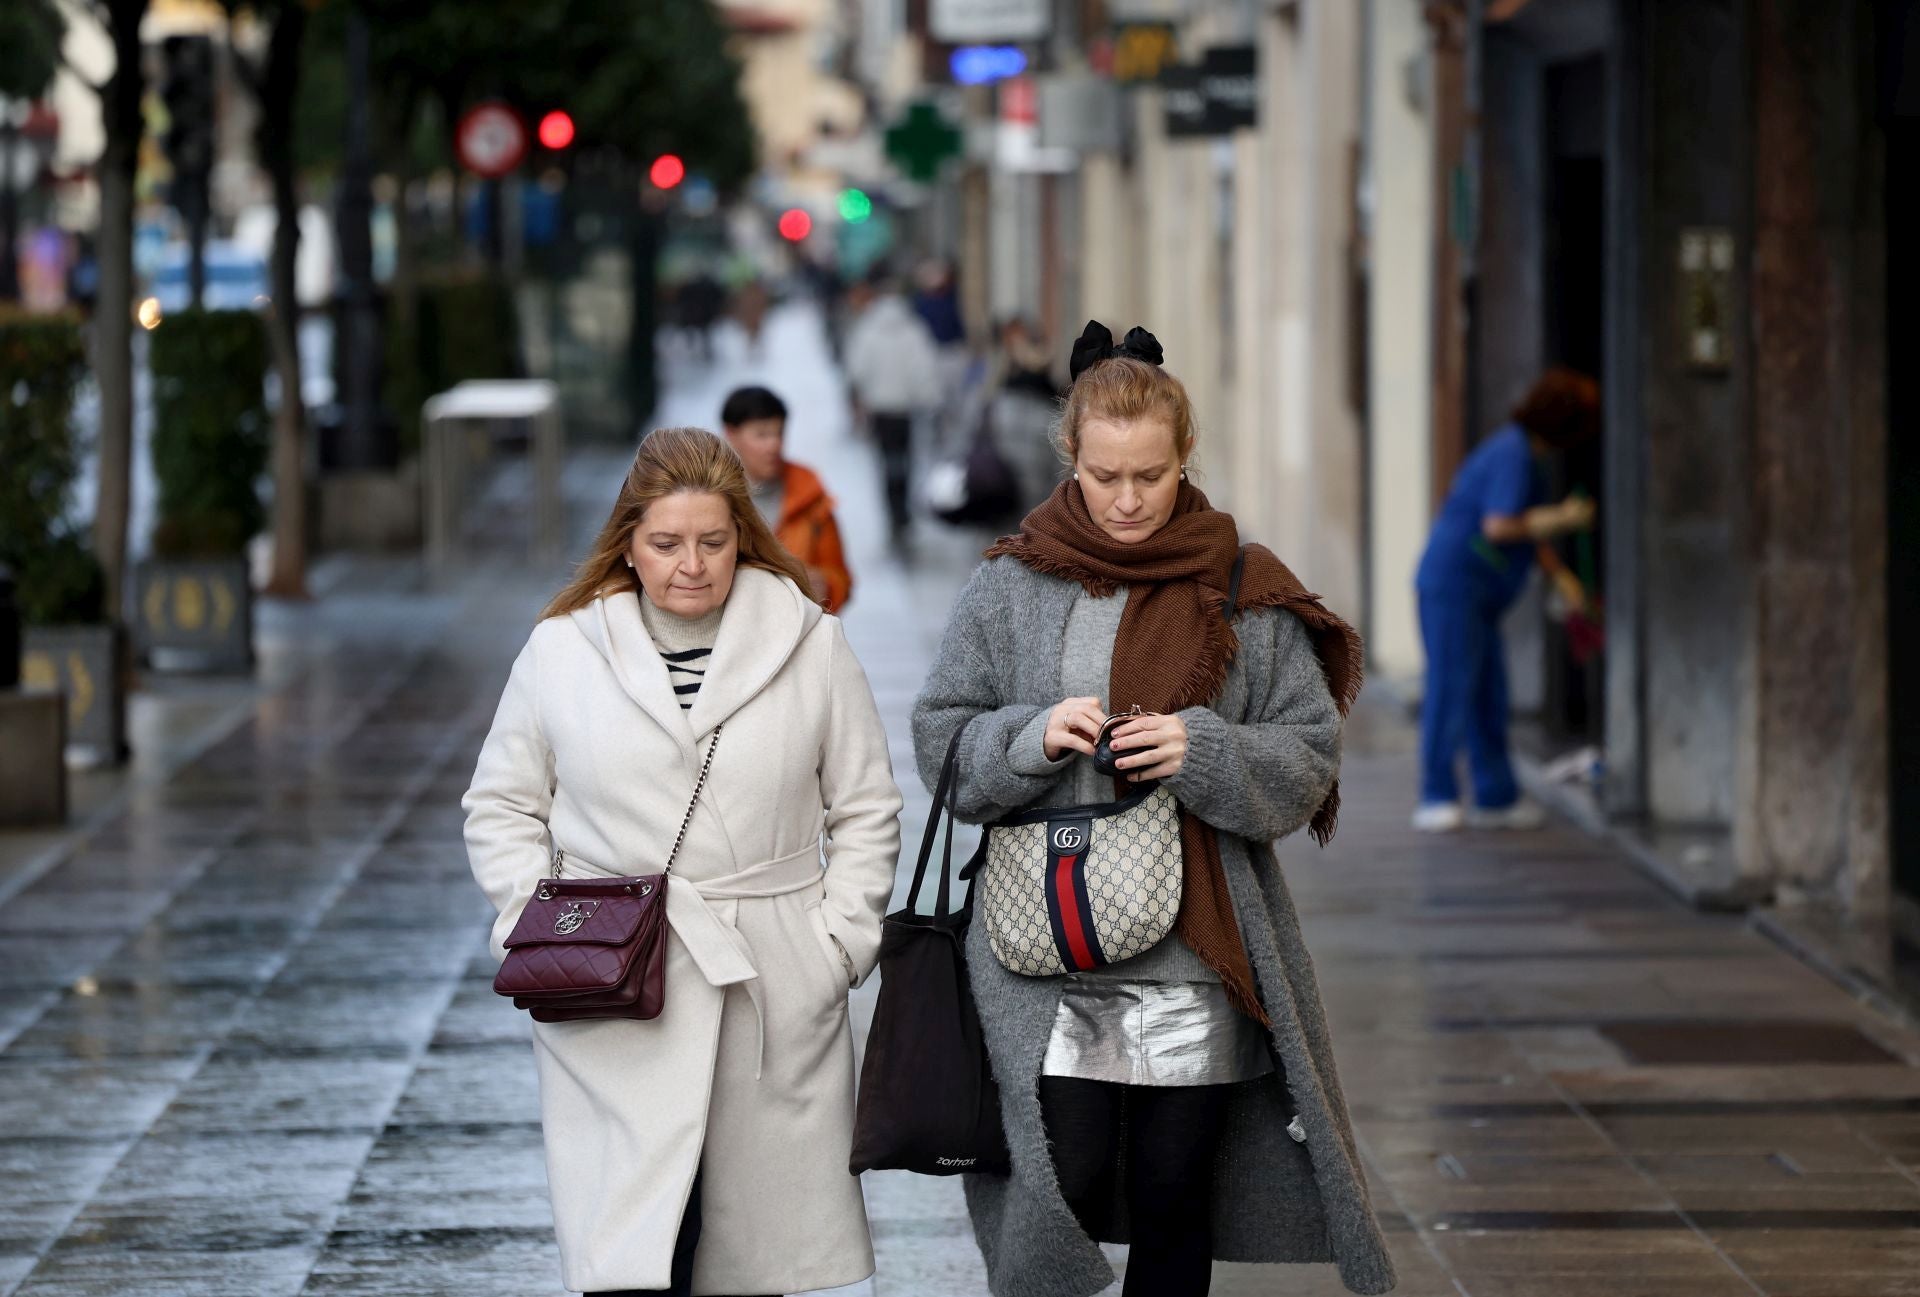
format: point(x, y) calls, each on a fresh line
point(765, 619)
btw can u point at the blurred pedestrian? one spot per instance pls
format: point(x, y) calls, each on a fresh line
point(704, 1150)
point(1023, 406)
point(699, 304)
point(751, 302)
point(936, 299)
point(789, 496)
point(83, 275)
point(1164, 1098)
point(1475, 566)
point(894, 371)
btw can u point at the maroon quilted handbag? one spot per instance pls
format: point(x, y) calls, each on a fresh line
point(595, 947)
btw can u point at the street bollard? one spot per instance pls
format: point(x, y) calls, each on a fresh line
point(9, 633)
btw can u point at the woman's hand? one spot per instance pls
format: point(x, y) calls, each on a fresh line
point(1072, 726)
point(1575, 513)
point(1156, 747)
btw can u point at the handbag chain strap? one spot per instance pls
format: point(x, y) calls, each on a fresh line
point(686, 820)
point(698, 784)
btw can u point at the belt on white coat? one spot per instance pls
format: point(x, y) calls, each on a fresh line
point(720, 950)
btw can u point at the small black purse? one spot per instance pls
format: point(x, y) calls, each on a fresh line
point(1104, 756)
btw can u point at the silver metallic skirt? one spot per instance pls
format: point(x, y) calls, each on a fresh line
point(1153, 1033)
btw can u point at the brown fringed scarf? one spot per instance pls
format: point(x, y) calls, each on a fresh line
point(1177, 581)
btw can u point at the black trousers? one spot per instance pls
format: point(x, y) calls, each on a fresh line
point(893, 434)
point(1169, 1135)
point(684, 1245)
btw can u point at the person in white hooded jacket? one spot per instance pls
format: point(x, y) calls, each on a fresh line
point(705, 1150)
point(893, 369)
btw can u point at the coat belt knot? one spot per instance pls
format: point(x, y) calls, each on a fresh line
point(720, 950)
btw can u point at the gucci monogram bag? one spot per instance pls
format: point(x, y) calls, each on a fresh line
point(595, 947)
point(1066, 889)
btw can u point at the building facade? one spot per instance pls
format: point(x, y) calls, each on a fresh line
point(1693, 200)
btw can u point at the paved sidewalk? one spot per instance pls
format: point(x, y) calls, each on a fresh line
point(248, 1044)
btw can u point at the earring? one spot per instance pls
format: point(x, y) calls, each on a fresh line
point(1076, 477)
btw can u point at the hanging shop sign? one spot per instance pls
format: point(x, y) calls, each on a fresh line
point(1230, 79)
point(921, 141)
point(1083, 113)
point(1185, 102)
point(982, 65)
point(1017, 144)
point(975, 22)
point(1141, 52)
point(1216, 96)
point(1149, 11)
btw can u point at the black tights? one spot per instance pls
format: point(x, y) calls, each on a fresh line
point(1171, 1133)
point(684, 1245)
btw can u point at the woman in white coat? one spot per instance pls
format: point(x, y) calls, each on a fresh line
point(703, 1151)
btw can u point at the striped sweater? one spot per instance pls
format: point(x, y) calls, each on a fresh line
point(685, 644)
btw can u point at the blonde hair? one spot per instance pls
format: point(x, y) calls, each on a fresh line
point(671, 461)
point(1122, 388)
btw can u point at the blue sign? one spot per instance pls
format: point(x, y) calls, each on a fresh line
point(980, 65)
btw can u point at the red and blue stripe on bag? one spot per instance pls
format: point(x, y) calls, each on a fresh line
point(1068, 909)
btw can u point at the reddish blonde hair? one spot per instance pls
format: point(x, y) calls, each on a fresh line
point(671, 461)
point(1562, 409)
point(1122, 389)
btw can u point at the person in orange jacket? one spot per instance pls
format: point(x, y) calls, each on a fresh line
point(790, 496)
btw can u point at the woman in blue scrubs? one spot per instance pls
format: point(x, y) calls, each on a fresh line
point(1474, 567)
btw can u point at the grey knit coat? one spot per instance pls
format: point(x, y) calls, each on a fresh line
point(1258, 763)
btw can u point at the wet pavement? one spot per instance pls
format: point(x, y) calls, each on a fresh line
point(248, 1043)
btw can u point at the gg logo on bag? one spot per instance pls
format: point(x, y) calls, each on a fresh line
point(1068, 839)
point(576, 913)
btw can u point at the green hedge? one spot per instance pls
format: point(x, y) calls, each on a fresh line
point(42, 360)
point(464, 326)
point(210, 431)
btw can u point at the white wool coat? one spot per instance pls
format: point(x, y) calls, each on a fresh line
point(748, 1073)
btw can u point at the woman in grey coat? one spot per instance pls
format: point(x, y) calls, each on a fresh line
point(1185, 1100)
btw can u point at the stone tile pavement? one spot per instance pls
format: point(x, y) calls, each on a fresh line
point(248, 1045)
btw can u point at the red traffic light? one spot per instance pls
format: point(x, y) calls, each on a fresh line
point(556, 130)
point(667, 171)
point(795, 224)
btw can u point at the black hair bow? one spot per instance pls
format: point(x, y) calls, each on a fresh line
point(1095, 344)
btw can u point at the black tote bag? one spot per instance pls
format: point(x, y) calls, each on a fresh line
point(928, 1102)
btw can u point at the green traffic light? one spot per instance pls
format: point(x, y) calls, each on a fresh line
point(855, 206)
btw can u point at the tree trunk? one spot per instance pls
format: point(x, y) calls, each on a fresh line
point(113, 314)
point(9, 211)
point(363, 443)
point(280, 88)
point(643, 388)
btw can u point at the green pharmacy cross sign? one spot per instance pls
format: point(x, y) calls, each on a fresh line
point(921, 141)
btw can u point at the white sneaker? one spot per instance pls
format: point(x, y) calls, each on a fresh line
point(1439, 817)
point(1523, 816)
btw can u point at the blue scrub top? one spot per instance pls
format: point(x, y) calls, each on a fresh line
point(1499, 477)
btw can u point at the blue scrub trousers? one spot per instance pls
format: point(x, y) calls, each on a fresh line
point(1466, 699)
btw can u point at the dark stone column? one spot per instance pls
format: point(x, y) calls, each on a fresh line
point(1622, 449)
point(1817, 689)
point(1692, 478)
